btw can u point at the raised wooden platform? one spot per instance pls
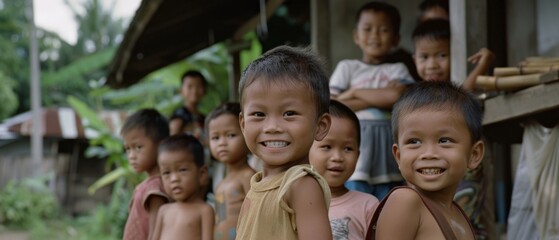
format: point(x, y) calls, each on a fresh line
point(503, 114)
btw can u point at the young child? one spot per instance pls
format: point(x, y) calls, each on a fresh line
point(187, 118)
point(432, 56)
point(142, 132)
point(228, 146)
point(284, 104)
point(335, 158)
point(370, 87)
point(181, 162)
point(432, 52)
point(437, 130)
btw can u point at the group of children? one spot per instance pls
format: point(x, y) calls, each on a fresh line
point(330, 148)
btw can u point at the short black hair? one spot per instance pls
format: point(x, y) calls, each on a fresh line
point(339, 110)
point(233, 108)
point(428, 4)
point(391, 11)
point(286, 65)
point(439, 95)
point(195, 74)
point(435, 29)
point(154, 124)
point(184, 142)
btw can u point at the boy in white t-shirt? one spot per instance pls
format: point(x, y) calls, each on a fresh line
point(370, 86)
point(335, 158)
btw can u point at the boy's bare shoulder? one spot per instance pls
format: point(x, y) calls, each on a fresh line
point(204, 209)
point(405, 195)
point(405, 199)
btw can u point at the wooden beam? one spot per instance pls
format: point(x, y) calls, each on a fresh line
point(521, 104)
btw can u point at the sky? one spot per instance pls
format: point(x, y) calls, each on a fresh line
point(55, 16)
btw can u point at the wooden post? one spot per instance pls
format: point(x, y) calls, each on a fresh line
point(234, 48)
point(320, 29)
point(37, 123)
point(468, 27)
point(521, 30)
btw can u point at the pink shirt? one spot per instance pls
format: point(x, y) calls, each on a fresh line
point(351, 214)
point(137, 225)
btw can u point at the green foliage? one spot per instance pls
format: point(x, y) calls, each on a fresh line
point(105, 145)
point(106, 220)
point(26, 202)
point(160, 89)
point(66, 69)
point(98, 29)
point(72, 79)
point(8, 97)
point(249, 55)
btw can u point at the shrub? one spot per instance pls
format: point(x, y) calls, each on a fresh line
point(22, 203)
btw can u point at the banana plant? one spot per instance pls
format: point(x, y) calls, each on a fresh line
point(104, 145)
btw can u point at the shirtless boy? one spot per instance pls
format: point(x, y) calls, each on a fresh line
point(181, 162)
point(228, 146)
point(437, 130)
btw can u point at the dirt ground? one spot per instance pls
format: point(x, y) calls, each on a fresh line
point(9, 235)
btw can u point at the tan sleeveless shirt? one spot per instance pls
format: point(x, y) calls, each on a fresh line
point(265, 214)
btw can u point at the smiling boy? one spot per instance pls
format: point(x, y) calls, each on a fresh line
point(284, 109)
point(437, 129)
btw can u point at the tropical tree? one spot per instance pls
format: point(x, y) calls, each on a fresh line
point(66, 69)
point(13, 48)
point(8, 97)
point(98, 34)
point(98, 28)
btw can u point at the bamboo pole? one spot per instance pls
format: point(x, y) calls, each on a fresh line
point(542, 59)
point(507, 83)
point(511, 71)
point(539, 64)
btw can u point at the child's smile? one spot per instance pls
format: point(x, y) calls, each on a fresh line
point(275, 144)
point(278, 123)
point(431, 171)
point(434, 148)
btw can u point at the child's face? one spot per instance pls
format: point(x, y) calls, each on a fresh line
point(140, 150)
point(280, 123)
point(192, 89)
point(180, 175)
point(336, 155)
point(375, 36)
point(435, 149)
point(227, 143)
point(432, 59)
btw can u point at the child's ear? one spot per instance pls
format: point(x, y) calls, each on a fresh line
point(476, 155)
point(396, 153)
point(355, 37)
point(242, 122)
point(203, 174)
point(322, 127)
